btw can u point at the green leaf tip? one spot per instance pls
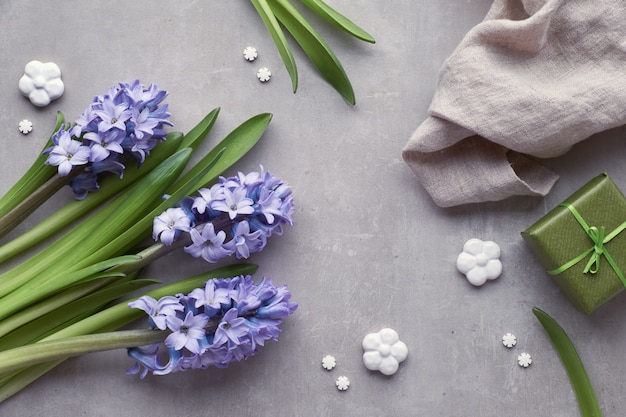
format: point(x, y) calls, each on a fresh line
point(573, 365)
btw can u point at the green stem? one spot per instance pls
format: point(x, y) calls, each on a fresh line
point(36, 175)
point(29, 204)
point(41, 352)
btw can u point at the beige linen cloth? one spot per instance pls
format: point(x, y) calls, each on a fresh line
point(534, 78)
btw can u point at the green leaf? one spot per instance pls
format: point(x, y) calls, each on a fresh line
point(314, 47)
point(339, 20)
point(273, 27)
point(120, 314)
point(197, 134)
point(75, 210)
point(69, 252)
point(36, 175)
point(64, 309)
point(46, 285)
point(573, 365)
point(232, 148)
point(45, 351)
point(11, 384)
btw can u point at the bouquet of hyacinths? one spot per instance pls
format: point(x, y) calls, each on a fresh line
point(60, 291)
point(277, 14)
point(222, 321)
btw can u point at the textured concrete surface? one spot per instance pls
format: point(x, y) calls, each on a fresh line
point(369, 249)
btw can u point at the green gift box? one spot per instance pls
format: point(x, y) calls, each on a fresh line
point(582, 243)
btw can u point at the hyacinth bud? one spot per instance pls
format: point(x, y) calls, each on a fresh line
point(223, 322)
point(235, 216)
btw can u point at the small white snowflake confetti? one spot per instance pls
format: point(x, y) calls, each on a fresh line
point(509, 340)
point(250, 53)
point(328, 362)
point(524, 360)
point(264, 75)
point(342, 383)
point(25, 126)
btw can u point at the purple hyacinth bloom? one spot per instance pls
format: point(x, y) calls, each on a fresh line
point(159, 310)
point(211, 297)
point(103, 143)
point(143, 124)
point(187, 333)
point(84, 183)
point(207, 195)
point(231, 329)
point(169, 224)
point(216, 333)
point(208, 244)
point(113, 116)
point(66, 152)
point(247, 242)
point(278, 305)
point(234, 203)
point(148, 361)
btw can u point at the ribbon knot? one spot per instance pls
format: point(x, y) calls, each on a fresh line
point(597, 237)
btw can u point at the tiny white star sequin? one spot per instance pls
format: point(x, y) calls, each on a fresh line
point(509, 340)
point(524, 360)
point(342, 383)
point(264, 75)
point(328, 362)
point(250, 53)
point(25, 126)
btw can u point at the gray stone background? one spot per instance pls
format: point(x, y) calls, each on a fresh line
point(368, 250)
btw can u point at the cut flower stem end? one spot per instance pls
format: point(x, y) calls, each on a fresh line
point(573, 365)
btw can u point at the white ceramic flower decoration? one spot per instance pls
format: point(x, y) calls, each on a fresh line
point(384, 351)
point(41, 82)
point(479, 261)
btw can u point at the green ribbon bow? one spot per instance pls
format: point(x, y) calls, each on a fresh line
point(597, 236)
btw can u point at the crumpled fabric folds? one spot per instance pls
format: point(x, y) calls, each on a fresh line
point(532, 79)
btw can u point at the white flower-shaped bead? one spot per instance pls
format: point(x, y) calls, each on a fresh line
point(479, 261)
point(264, 74)
point(509, 340)
point(524, 360)
point(342, 383)
point(25, 126)
point(41, 82)
point(250, 53)
point(328, 362)
point(384, 351)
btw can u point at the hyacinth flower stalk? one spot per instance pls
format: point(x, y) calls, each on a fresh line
point(91, 324)
point(84, 152)
point(275, 13)
point(236, 216)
